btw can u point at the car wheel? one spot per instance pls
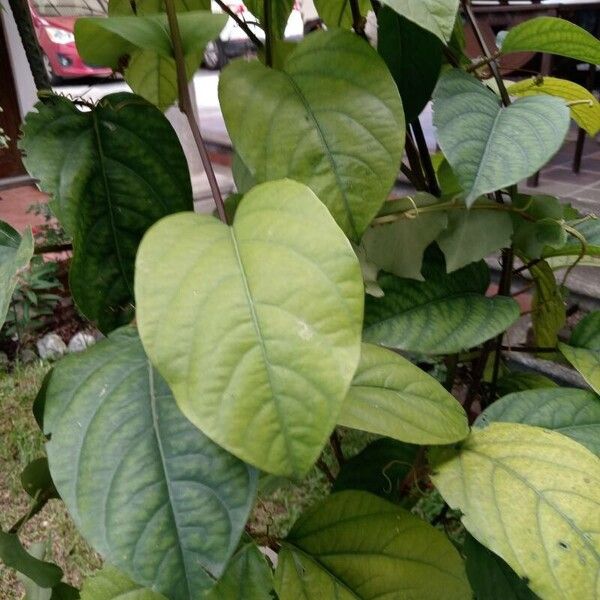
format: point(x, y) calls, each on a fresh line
point(214, 55)
point(52, 76)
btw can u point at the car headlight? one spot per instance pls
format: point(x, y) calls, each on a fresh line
point(60, 36)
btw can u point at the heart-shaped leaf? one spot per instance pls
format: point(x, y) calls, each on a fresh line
point(572, 412)
point(149, 491)
point(554, 543)
point(142, 45)
point(436, 16)
point(490, 146)
point(490, 577)
point(112, 171)
point(356, 545)
point(15, 254)
point(338, 13)
point(390, 396)
point(332, 119)
point(111, 584)
point(256, 326)
point(553, 36)
point(118, 8)
point(586, 113)
point(441, 315)
point(413, 56)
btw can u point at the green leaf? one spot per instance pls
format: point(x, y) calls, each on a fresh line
point(37, 481)
point(290, 328)
point(436, 16)
point(332, 119)
point(15, 254)
point(553, 36)
point(148, 490)
point(586, 333)
point(280, 13)
point(494, 146)
point(14, 556)
point(243, 178)
point(64, 591)
point(549, 309)
point(248, 577)
point(445, 314)
point(142, 45)
point(463, 243)
point(521, 382)
point(390, 396)
point(337, 13)
point(585, 115)
point(380, 468)
point(587, 362)
point(552, 540)
point(565, 255)
point(572, 412)
point(111, 584)
point(490, 577)
point(124, 170)
point(413, 56)
point(151, 7)
point(398, 246)
point(355, 545)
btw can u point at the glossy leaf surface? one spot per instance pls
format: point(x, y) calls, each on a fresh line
point(436, 16)
point(240, 343)
point(112, 172)
point(553, 36)
point(444, 314)
point(355, 545)
point(554, 541)
point(332, 119)
point(148, 490)
point(391, 396)
point(15, 254)
point(490, 146)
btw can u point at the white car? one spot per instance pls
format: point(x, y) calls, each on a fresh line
point(233, 40)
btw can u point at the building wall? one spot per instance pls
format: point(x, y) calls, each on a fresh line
point(24, 83)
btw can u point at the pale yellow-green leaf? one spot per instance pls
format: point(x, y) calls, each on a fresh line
point(112, 584)
point(586, 110)
point(532, 496)
point(390, 396)
point(587, 362)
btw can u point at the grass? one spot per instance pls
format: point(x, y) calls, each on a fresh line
point(21, 442)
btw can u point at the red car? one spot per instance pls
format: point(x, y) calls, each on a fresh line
point(54, 21)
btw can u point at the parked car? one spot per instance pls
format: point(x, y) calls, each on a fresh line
point(54, 22)
point(233, 40)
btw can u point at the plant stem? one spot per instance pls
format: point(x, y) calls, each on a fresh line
point(241, 23)
point(483, 62)
point(336, 446)
point(358, 23)
point(415, 164)
point(432, 182)
point(451, 368)
point(322, 465)
point(38, 504)
point(186, 106)
point(529, 349)
point(268, 15)
point(406, 171)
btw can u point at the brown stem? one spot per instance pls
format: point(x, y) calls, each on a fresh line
point(425, 157)
point(336, 446)
point(406, 171)
point(268, 15)
point(358, 23)
point(529, 349)
point(56, 248)
point(322, 465)
point(241, 23)
point(527, 266)
point(186, 106)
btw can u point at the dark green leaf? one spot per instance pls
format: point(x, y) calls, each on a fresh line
point(113, 172)
point(37, 481)
point(380, 468)
point(553, 36)
point(151, 7)
point(490, 577)
point(572, 412)
point(14, 556)
point(573, 249)
point(337, 13)
point(150, 492)
point(248, 577)
point(356, 545)
point(521, 382)
point(332, 119)
point(586, 333)
point(494, 146)
point(280, 13)
point(549, 309)
point(413, 56)
point(445, 314)
point(15, 254)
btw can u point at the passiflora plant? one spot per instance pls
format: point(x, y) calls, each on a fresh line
point(241, 346)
